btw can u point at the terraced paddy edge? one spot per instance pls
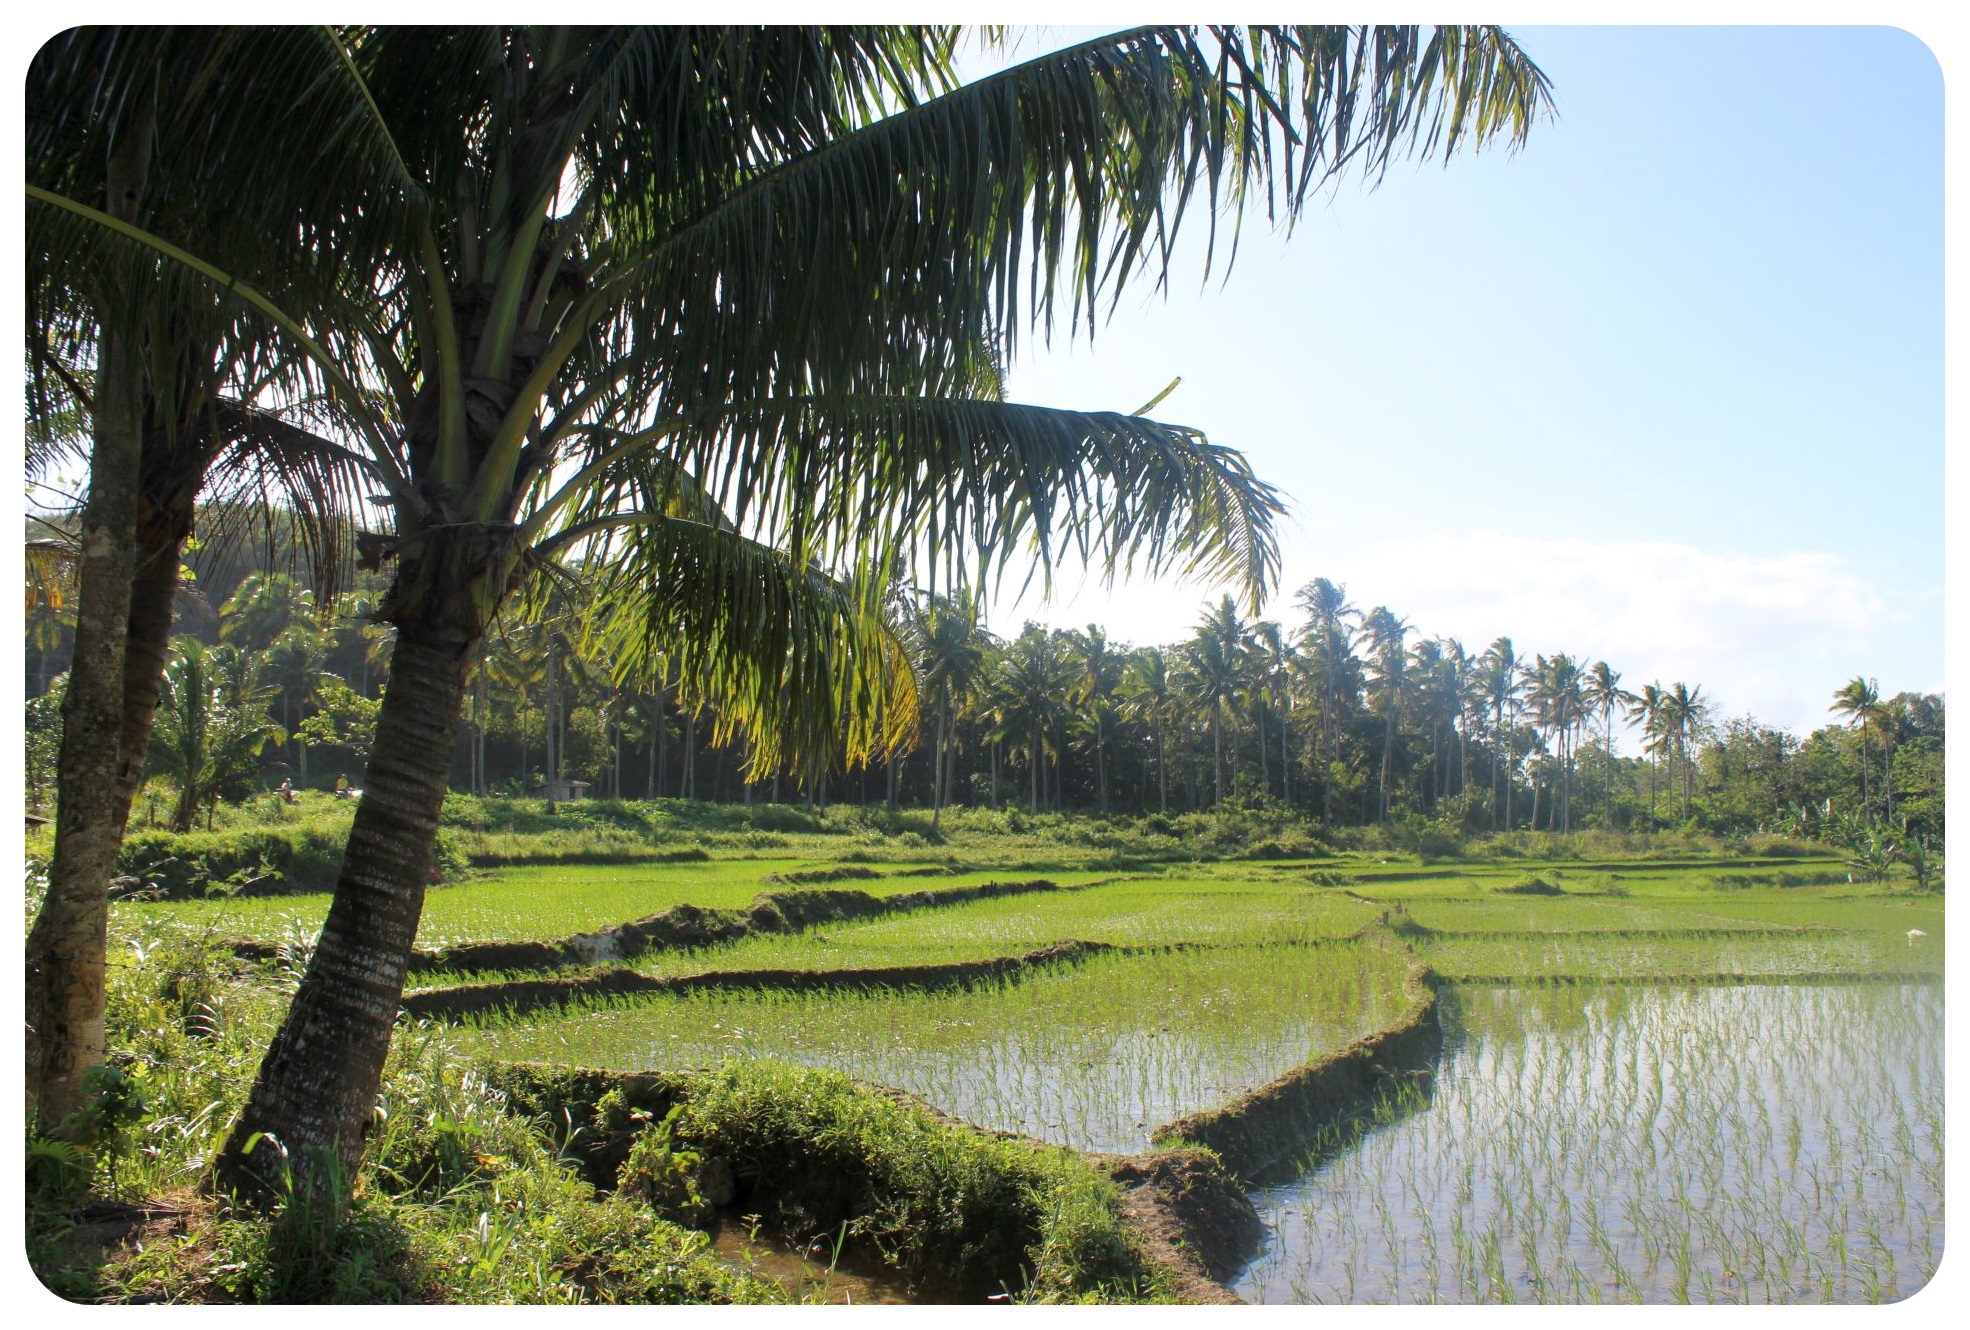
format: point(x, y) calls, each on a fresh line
point(958, 1212)
point(1264, 1127)
point(520, 996)
point(684, 927)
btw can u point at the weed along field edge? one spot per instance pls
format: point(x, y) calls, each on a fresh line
point(1343, 1077)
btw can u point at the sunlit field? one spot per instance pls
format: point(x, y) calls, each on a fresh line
point(1700, 1079)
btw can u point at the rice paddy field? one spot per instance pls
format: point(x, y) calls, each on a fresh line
point(1767, 1143)
point(1703, 1080)
point(1093, 1055)
point(542, 902)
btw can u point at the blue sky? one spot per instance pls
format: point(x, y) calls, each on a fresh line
point(1664, 387)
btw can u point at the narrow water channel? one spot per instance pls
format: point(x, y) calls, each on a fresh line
point(1763, 1143)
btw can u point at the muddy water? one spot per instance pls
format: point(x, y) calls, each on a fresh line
point(1751, 1144)
point(814, 1276)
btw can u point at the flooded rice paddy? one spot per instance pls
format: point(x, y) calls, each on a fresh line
point(1761, 1143)
point(1095, 1055)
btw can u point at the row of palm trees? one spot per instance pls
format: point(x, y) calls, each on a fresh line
point(1286, 711)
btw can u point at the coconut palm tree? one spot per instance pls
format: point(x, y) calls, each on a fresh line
point(1604, 694)
point(1149, 697)
point(1649, 708)
point(1685, 713)
point(949, 641)
point(1097, 673)
point(1272, 659)
point(168, 375)
point(1462, 701)
point(1502, 686)
point(1028, 692)
point(292, 665)
point(1326, 606)
point(1387, 685)
point(1857, 700)
point(1214, 663)
point(1553, 688)
point(550, 319)
point(1894, 722)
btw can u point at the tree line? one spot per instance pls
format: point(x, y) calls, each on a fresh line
point(1346, 716)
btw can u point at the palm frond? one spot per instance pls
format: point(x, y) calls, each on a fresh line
point(961, 484)
point(807, 664)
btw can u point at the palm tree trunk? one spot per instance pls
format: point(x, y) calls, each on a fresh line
point(1388, 757)
point(1285, 759)
point(1162, 773)
point(316, 1088)
point(1511, 759)
point(1039, 755)
point(1100, 764)
point(1887, 782)
point(1497, 743)
point(1217, 755)
point(1867, 802)
point(67, 946)
point(939, 757)
point(1265, 766)
point(1566, 779)
point(1607, 758)
point(547, 737)
point(1326, 762)
point(1689, 780)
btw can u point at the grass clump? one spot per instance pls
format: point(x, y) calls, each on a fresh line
point(459, 1199)
point(959, 1213)
point(1531, 886)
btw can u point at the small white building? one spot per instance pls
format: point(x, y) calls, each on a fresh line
point(561, 791)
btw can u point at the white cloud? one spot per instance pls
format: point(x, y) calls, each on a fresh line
point(1773, 635)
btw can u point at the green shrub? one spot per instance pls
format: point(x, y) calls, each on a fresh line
point(252, 860)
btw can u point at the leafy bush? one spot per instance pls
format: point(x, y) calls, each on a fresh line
point(253, 860)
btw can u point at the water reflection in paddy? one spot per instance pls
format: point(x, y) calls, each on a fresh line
point(1765, 1143)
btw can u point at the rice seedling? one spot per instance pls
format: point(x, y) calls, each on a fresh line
point(1773, 1143)
point(1095, 1056)
point(543, 902)
point(1136, 913)
point(1717, 956)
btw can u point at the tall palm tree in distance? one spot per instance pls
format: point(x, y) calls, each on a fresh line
point(1500, 665)
point(1326, 606)
point(1214, 656)
point(1098, 673)
point(1856, 701)
point(1385, 633)
point(1149, 697)
point(1605, 695)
